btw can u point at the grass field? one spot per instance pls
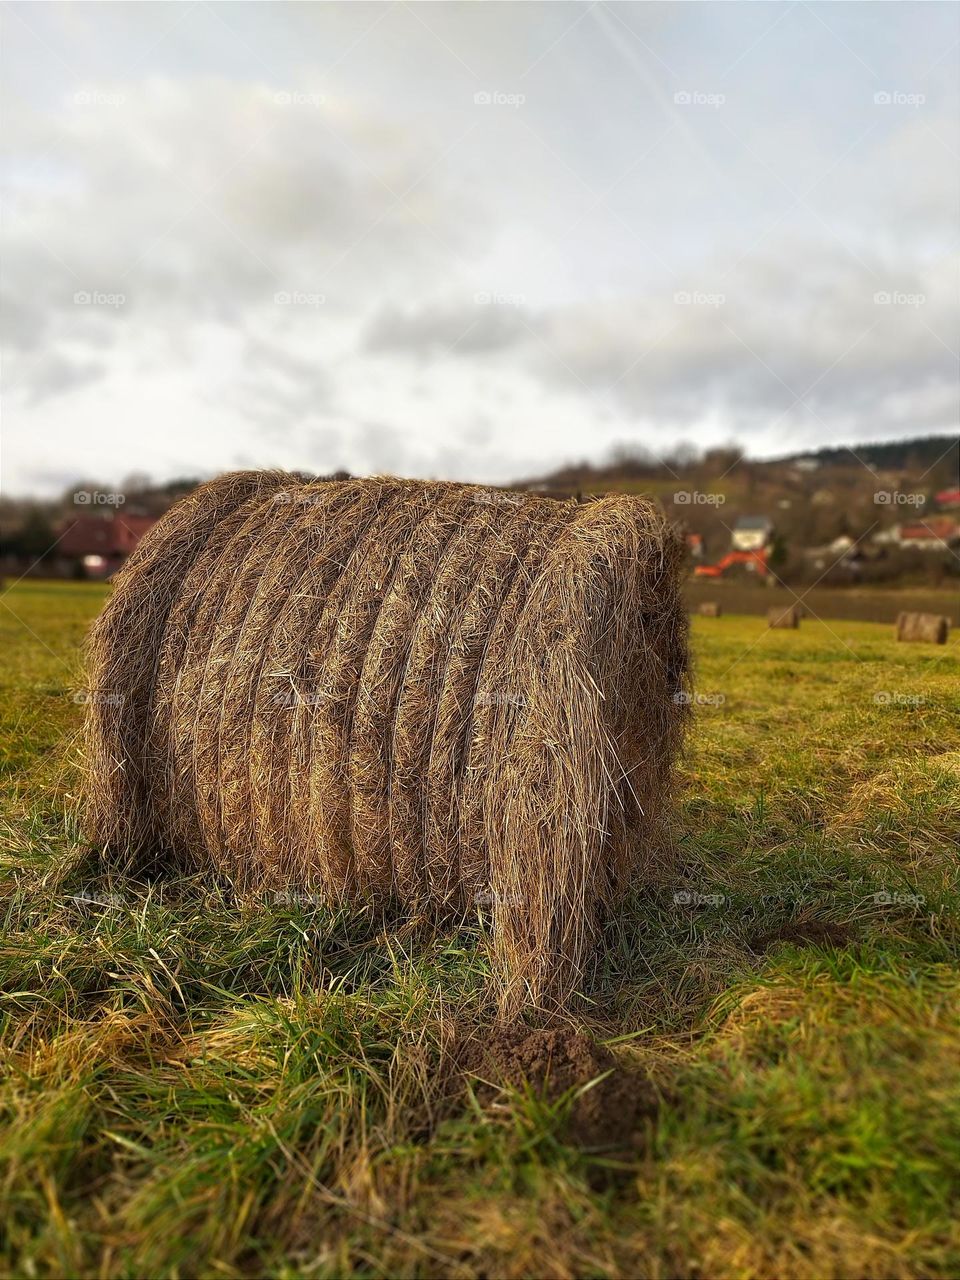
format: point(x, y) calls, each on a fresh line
point(193, 1085)
point(854, 604)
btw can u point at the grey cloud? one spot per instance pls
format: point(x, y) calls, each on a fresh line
point(794, 332)
point(200, 201)
point(53, 373)
point(466, 329)
point(201, 196)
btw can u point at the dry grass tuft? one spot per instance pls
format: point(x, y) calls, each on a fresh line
point(429, 698)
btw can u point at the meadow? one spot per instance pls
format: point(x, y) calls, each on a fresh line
point(760, 1081)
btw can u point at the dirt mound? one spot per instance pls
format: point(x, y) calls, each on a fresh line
point(609, 1116)
point(820, 933)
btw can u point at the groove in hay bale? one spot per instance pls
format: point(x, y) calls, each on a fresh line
point(780, 616)
point(421, 697)
point(925, 628)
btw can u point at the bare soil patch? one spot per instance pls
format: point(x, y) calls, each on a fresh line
point(820, 933)
point(614, 1114)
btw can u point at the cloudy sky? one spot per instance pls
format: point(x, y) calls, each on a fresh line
point(472, 240)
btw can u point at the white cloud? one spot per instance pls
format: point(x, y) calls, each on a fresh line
point(469, 290)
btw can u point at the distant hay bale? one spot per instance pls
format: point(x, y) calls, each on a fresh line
point(432, 699)
point(780, 616)
point(710, 609)
point(927, 628)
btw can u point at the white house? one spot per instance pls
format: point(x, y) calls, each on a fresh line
point(752, 533)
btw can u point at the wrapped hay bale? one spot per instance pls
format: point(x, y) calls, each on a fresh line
point(710, 609)
point(428, 698)
point(788, 617)
point(928, 628)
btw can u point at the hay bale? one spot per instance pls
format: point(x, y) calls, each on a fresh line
point(780, 616)
point(926, 628)
point(421, 697)
point(710, 609)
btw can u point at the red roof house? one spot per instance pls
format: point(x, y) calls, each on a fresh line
point(101, 543)
point(935, 531)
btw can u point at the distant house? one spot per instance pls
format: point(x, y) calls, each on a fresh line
point(948, 499)
point(843, 546)
point(841, 552)
point(98, 545)
point(695, 545)
point(752, 533)
point(886, 537)
point(932, 534)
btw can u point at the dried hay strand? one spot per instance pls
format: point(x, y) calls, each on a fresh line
point(925, 628)
point(118, 809)
point(583, 753)
point(415, 727)
point(421, 697)
point(340, 647)
point(374, 725)
point(301, 530)
point(170, 667)
point(454, 866)
point(784, 617)
point(280, 733)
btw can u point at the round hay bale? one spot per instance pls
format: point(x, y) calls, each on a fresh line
point(421, 697)
point(787, 617)
point(923, 628)
point(710, 609)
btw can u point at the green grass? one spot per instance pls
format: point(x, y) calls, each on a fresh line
point(197, 1086)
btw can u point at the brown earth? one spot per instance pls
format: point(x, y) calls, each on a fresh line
point(612, 1115)
point(818, 932)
